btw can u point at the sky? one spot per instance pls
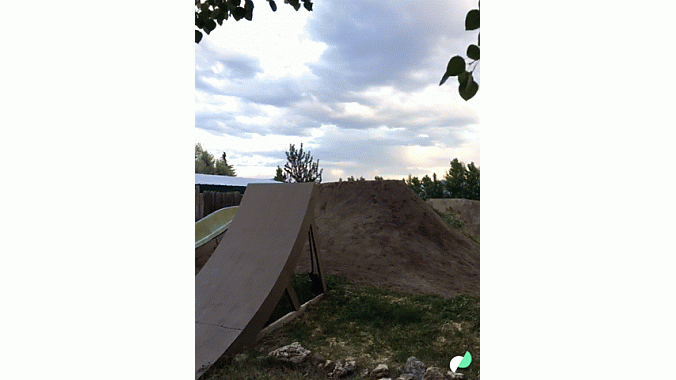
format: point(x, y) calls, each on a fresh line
point(357, 83)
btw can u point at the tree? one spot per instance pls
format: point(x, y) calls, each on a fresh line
point(472, 182)
point(208, 13)
point(455, 179)
point(223, 168)
point(300, 166)
point(467, 87)
point(205, 163)
point(280, 176)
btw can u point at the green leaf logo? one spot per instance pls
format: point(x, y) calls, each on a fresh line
point(461, 361)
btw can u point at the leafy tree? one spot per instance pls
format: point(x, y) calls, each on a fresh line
point(223, 168)
point(208, 13)
point(455, 179)
point(300, 166)
point(350, 178)
point(378, 178)
point(280, 176)
point(457, 66)
point(205, 163)
point(472, 182)
point(426, 187)
point(414, 183)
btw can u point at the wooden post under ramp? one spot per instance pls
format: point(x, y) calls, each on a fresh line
point(238, 288)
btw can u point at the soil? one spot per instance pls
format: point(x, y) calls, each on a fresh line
point(381, 233)
point(466, 210)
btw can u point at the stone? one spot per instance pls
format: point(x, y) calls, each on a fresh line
point(350, 366)
point(328, 367)
point(293, 353)
point(406, 376)
point(415, 367)
point(337, 370)
point(380, 371)
point(450, 375)
point(434, 373)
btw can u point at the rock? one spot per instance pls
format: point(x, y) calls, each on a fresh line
point(434, 373)
point(406, 376)
point(415, 367)
point(293, 353)
point(337, 370)
point(329, 366)
point(350, 366)
point(380, 371)
point(450, 375)
point(241, 357)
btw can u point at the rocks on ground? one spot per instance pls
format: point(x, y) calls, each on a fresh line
point(414, 369)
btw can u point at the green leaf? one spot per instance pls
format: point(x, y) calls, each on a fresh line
point(273, 5)
point(308, 5)
point(199, 22)
point(468, 89)
point(238, 13)
point(473, 52)
point(295, 4)
point(478, 39)
point(455, 66)
point(472, 20)
point(248, 10)
point(209, 25)
point(198, 36)
point(443, 79)
point(464, 77)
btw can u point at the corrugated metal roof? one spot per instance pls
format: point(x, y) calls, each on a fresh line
point(224, 180)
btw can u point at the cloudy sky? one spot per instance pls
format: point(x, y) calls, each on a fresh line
point(355, 82)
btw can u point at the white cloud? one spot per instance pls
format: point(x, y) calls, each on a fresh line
point(357, 84)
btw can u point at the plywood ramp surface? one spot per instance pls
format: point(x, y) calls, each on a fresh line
point(238, 288)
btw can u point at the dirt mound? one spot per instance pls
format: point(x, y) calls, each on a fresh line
point(467, 210)
point(381, 233)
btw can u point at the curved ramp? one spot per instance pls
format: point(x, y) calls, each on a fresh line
point(209, 232)
point(213, 225)
point(238, 288)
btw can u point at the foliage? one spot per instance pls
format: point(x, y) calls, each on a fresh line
point(280, 176)
point(459, 182)
point(300, 166)
point(372, 325)
point(205, 163)
point(378, 178)
point(467, 86)
point(463, 182)
point(209, 13)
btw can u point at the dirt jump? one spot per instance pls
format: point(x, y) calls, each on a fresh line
point(381, 233)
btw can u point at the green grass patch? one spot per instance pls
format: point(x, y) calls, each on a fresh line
point(370, 325)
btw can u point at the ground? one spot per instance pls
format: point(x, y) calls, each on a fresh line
point(381, 233)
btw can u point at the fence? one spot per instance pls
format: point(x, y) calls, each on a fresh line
point(209, 201)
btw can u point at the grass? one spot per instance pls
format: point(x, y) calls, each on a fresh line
point(452, 220)
point(370, 325)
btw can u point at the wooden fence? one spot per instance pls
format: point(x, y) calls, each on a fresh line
point(209, 201)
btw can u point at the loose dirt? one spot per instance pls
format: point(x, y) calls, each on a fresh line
point(466, 210)
point(381, 233)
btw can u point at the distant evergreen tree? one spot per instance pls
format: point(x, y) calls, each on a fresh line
point(300, 166)
point(205, 163)
point(280, 176)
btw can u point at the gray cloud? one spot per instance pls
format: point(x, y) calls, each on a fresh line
point(404, 45)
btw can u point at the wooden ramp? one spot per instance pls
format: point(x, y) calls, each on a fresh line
point(238, 288)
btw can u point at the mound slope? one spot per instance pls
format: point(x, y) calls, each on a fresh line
point(381, 233)
point(467, 211)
